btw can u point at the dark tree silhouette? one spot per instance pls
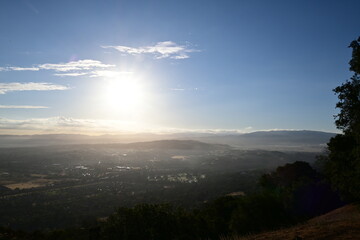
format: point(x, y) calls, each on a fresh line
point(342, 165)
point(301, 190)
point(348, 93)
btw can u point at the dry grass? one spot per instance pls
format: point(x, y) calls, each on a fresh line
point(342, 223)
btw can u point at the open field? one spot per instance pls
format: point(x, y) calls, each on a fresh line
point(42, 182)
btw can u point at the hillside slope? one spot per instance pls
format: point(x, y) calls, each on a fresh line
point(342, 223)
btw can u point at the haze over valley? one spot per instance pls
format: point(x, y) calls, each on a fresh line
point(38, 171)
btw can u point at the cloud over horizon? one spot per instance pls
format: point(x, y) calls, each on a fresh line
point(70, 125)
point(166, 49)
point(66, 125)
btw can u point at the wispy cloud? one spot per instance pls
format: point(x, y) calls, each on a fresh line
point(2, 69)
point(184, 89)
point(177, 89)
point(167, 49)
point(74, 74)
point(94, 74)
point(21, 107)
point(34, 9)
point(107, 73)
point(23, 68)
point(70, 69)
point(79, 65)
point(30, 86)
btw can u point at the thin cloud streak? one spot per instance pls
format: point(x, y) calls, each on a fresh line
point(74, 74)
point(3, 69)
point(21, 107)
point(166, 49)
point(95, 74)
point(80, 65)
point(107, 73)
point(177, 89)
point(30, 86)
point(69, 69)
point(23, 68)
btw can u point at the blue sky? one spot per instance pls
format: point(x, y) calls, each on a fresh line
point(110, 66)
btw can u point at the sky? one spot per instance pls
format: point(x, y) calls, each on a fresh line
point(110, 66)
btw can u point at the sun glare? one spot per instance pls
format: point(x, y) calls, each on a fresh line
point(123, 96)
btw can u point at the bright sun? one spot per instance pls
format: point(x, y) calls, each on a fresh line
point(123, 95)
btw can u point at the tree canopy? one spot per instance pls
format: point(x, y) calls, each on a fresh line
point(342, 165)
point(348, 93)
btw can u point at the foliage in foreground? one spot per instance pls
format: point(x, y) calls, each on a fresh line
point(342, 164)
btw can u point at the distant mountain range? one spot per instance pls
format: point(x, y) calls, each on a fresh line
point(275, 140)
point(313, 141)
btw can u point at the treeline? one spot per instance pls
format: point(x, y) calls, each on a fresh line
point(291, 194)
